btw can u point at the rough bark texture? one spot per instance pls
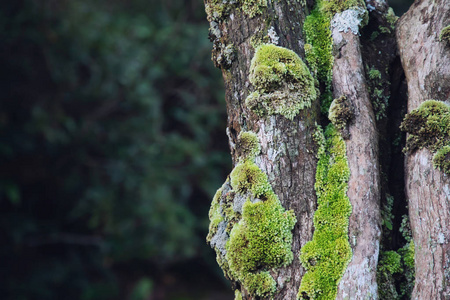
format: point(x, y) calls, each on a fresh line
point(287, 147)
point(426, 62)
point(359, 280)
point(364, 64)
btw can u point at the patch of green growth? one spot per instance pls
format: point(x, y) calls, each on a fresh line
point(387, 217)
point(237, 295)
point(374, 35)
point(391, 18)
point(407, 253)
point(247, 176)
point(248, 145)
point(389, 265)
point(395, 271)
point(331, 7)
point(377, 84)
point(340, 113)
point(384, 29)
point(429, 127)
point(217, 9)
point(327, 255)
point(374, 74)
point(444, 36)
point(282, 81)
point(261, 240)
point(318, 50)
point(258, 235)
point(215, 215)
point(390, 262)
point(441, 160)
point(260, 284)
point(252, 8)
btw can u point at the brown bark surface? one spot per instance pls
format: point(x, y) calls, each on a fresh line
point(287, 147)
point(426, 62)
point(359, 280)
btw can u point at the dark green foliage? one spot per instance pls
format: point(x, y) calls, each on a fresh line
point(107, 113)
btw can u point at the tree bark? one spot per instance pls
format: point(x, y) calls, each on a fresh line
point(426, 61)
point(285, 144)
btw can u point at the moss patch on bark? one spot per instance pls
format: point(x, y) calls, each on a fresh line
point(327, 255)
point(282, 81)
point(429, 127)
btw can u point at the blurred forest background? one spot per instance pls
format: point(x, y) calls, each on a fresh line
point(112, 143)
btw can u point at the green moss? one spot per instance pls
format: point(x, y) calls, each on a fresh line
point(260, 284)
point(318, 50)
point(340, 113)
point(247, 177)
point(282, 81)
point(444, 36)
point(389, 264)
point(374, 74)
point(258, 235)
point(326, 256)
point(391, 18)
point(331, 7)
point(218, 10)
point(248, 145)
point(215, 215)
point(261, 240)
point(429, 127)
point(441, 160)
point(237, 295)
point(252, 8)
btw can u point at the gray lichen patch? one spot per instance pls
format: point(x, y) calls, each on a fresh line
point(282, 81)
point(350, 20)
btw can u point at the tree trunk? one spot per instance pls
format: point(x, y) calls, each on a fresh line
point(426, 61)
point(306, 212)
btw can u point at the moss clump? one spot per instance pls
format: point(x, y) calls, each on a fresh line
point(441, 160)
point(326, 256)
point(318, 50)
point(429, 127)
point(237, 295)
point(218, 10)
point(374, 74)
point(260, 241)
point(247, 177)
point(444, 36)
point(248, 145)
point(389, 264)
point(260, 284)
point(250, 230)
point(252, 8)
point(331, 7)
point(215, 215)
point(340, 113)
point(282, 81)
